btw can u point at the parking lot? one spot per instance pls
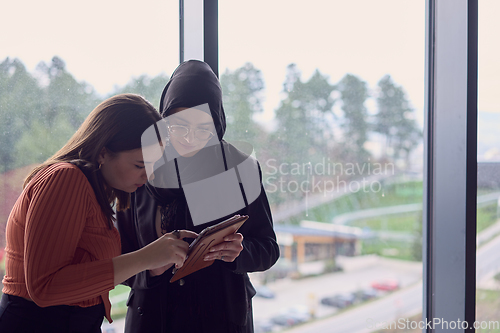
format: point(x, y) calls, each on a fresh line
point(297, 300)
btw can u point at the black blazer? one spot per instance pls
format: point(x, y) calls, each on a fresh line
point(214, 299)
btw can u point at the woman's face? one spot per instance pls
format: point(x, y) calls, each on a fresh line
point(189, 144)
point(123, 171)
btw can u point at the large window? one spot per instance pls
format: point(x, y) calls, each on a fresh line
point(330, 94)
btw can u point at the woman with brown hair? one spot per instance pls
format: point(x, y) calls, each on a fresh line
point(63, 251)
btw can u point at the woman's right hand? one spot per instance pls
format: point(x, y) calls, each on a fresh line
point(159, 255)
point(166, 251)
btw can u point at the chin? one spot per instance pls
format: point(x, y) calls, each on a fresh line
point(131, 189)
point(189, 153)
point(184, 151)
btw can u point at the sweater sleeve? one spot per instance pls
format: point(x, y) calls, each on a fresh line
point(126, 222)
point(55, 221)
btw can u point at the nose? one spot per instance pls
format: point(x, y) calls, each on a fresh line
point(190, 136)
point(144, 175)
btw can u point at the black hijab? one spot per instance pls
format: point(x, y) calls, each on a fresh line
point(192, 84)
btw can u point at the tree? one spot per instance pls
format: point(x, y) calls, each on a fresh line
point(395, 120)
point(20, 98)
point(303, 126)
point(242, 97)
point(148, 87)
point(353, 93)
point(60, 107)
point(31, 107)
point(304, 130)
point(64, 95)
point(41, 142)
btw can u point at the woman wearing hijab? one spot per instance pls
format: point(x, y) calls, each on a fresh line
point(201, 181)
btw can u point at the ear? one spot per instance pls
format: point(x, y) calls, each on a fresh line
point(103, 156)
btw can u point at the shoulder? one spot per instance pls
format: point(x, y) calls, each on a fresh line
point(63, 169)
point(238, 152)
point(60, 175)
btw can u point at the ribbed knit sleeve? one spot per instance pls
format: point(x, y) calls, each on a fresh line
point(55, 222)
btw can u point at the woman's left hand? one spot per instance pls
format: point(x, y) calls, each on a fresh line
point(228, 250)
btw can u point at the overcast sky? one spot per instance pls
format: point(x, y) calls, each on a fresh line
point(105, 43)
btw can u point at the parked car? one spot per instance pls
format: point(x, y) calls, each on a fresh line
point(300, 313)
point(339, 301)
point(366, 294)
point(263, 326)
point(284, 319)
point(386, 285)
point(292, 316)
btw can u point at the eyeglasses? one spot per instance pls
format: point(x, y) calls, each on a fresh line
point(181, 131)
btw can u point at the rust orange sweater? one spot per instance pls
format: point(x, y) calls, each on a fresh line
point(59, 245)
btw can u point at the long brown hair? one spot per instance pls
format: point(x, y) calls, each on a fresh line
point(117, 125)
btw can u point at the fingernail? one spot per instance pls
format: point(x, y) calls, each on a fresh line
point(206, 259)
point(212, 250)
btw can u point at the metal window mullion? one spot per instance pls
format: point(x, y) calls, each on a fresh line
point(471, 192)
point(451, 163)
point(211, 34)
point(198, 20)
point(427, 220)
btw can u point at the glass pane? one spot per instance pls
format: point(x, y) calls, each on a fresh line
point(330, 94)
point(58, 60)
point(488, 175)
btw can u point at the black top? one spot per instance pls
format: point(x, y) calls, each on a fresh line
point(214, 299)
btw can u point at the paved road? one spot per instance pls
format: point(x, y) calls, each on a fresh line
point(401, 304)
point(299, 292)
point(488, 260)
point(366, 318)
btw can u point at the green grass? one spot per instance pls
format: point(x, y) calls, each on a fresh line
point(119, 289)
point(407, 222)
point(486, 216)
point(399, 222)
point(487, 309)
point(119, 310)
point(390, 249)
point(391, 194)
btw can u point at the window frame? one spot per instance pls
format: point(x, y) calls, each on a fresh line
point(450, 153)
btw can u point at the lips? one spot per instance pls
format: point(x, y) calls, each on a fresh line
point(187, 146)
